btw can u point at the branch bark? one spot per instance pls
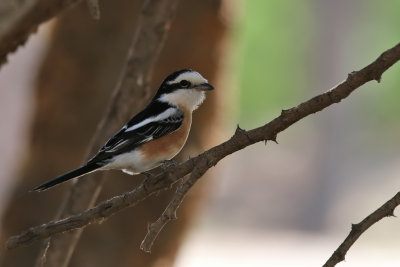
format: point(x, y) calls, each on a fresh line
point(19, 19)
point(153, 25)
point(169, 213)
point(386, 210)
point(211, 157)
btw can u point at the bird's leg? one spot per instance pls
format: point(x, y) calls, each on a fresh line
point(148, 174)
point(165, 164)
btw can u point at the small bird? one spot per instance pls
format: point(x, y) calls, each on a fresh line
point(154, 135)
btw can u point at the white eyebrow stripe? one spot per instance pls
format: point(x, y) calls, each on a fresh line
point(167, 113)
point(193, 77)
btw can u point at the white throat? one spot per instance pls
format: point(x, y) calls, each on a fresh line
point(188, 98)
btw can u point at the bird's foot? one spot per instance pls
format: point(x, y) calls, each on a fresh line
point(148, 174)
point(167, 163)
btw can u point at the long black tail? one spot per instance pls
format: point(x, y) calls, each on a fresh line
point(67, 176)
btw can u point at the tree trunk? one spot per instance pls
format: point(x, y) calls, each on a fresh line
point(79, 71)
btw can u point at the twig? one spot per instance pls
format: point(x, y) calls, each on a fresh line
point(211, 157)
point(20, 19)
point(169, 213)
point(386, 210)
point(131, 92)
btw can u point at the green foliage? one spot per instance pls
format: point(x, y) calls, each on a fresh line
point(276, 56)
point(273, 43)
point(384, 28)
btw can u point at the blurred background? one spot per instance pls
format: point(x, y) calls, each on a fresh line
point(286, 204)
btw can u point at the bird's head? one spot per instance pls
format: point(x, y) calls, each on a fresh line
point(184, 88)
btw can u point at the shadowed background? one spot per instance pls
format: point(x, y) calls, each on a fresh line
point(297, 198)
point(72, 90)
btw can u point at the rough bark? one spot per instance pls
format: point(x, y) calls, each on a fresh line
point(131, 90)
point(19, 19)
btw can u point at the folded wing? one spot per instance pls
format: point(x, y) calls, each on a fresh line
point(132, 136)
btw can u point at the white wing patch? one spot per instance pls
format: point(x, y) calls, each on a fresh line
point(162, 116)
point(120, 144)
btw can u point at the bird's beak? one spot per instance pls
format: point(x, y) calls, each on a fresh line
point(204, 87)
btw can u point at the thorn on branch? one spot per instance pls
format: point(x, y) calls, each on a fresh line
point(341, 256)
point(239, 130)
point(390, 213)
point(351, 75)
point(273, 139)
point(285, 112)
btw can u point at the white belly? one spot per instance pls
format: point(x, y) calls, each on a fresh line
point(132, 163)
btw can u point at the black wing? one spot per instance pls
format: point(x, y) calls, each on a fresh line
point(128, 139)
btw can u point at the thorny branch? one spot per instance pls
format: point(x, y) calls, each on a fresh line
point(169, 213)
point(211, 157)
point(386, 210)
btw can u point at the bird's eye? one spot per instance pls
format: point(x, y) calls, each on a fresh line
point(184, 83)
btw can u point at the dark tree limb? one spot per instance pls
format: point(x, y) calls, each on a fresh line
point(211, 157)
point(19, 19)
point(132, 91)
point(169, 213)
point(386, 210)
